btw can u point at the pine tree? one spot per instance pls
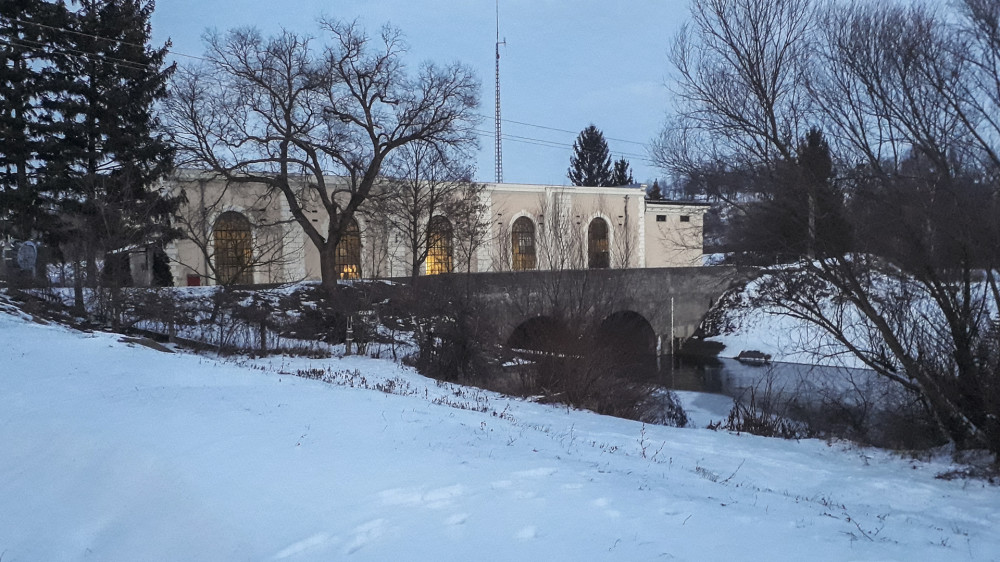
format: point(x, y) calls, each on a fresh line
point(590, 163)
point(26, 29)
point(622, 174)
point(816, 166)
point(654, 193)
point(110, 154)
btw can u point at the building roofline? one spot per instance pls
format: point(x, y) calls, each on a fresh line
point(675, 203)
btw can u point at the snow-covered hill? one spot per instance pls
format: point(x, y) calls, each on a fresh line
point(115, 451)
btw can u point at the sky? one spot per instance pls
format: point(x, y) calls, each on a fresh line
point(565, 65)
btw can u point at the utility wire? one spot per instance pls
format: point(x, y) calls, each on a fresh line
point(570, 132)
point(561, 146)
point(108, 39)
point(29, 44)
point(140, 66)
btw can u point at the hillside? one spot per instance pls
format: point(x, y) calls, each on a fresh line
point(115, 451)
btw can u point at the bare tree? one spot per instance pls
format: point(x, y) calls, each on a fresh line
point(625, 248)
point(284, 114)
point(501, 246)
point(741, 65)
point(380, 251)
point(268, 244)
point(560, 239)
point(471, 222)
point(909, 287)
point(427, 189)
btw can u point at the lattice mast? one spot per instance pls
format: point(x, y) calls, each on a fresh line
point(499, 142)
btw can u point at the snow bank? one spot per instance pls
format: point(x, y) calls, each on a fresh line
point(112, 451)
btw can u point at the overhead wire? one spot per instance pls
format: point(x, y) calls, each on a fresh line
point(140, 66)
point(560, 145)
point(568, 131)
point(102, 38)
point(27, 43)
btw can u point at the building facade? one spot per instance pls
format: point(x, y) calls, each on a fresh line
point(243, 234)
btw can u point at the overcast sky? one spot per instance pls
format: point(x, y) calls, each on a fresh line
point(566, 64)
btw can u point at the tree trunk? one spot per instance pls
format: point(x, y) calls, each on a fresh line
point(78, 305)
point(328, 267)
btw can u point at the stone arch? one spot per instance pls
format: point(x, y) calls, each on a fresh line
point(627, 332)
point(232, 241)
point(440, 246)
point(522, 244)
point(598, 244)
point(540, 333)
point(348, 253)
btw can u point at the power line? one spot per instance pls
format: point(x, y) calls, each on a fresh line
point(558, 130)
point(561, 146)
point(140, 66)
point(180, 54)
point(102, 38)
point(570, 132)
point(77, 52)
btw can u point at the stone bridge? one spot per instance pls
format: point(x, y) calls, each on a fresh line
point(656, 307)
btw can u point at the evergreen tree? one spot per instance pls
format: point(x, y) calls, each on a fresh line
point(654, 193)
point(26, 79)
point(816, 168)
point(622, 174)
point(110, 153)
point(590, 164)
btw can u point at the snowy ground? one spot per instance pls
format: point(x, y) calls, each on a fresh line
point(114, 451)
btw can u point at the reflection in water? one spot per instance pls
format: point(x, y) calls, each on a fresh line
point(732, 378)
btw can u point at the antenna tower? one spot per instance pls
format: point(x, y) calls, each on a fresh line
point(499, 145)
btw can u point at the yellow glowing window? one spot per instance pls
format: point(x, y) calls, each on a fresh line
point(439, 246)
point(233, 249)
point(348, 255)
point(598, 256)
point(523, 245)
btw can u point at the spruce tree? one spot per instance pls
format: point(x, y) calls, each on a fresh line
point(110, 153)
point(655, 193)
point(26, 80)
point(622, 174)
point(590, 163)
point(816, 168)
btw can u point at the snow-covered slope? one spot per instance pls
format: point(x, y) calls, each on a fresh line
point(114, 451)
point(740, 323)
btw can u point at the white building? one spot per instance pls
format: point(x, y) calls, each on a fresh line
point(244, 234)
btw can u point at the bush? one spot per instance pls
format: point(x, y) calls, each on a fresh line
point(763, 411)
point(452, 340)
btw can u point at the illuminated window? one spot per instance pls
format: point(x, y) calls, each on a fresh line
point(233, 249)
point(348, 256)
point(523, 244)
point(439, 246)
point(598, 256)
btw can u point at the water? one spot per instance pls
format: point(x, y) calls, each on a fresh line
point(716, 375)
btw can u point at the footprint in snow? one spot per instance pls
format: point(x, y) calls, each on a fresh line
point(302, 546)
point(434, 499)
point(535, 473)
point(364, 534)
point(527, 533)
point(603, 503)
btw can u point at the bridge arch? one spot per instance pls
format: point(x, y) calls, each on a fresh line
point(540, 333)
point(627, 332)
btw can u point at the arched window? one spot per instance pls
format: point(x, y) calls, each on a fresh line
point(598, 256)
point(439, 246)
point(348, 258)
point(233, 249)
point(523, 244)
